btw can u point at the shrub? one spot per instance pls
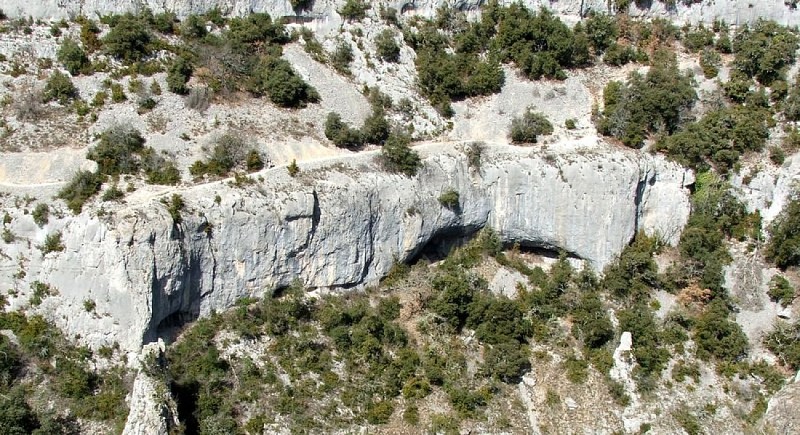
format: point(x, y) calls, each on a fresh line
point(783, 342)
point(717, 336)
point(780, 291)
point(764, 51)
point(619, 54)
point(528, 127)
point(174, 207)
point(507, 361)
point(577, 369)
point(354, 10)
point(157, 169)
point(602, 31)
point(655, 102)
point(52, 243)
point(282, 85)
point(341, 134)
point(386, 46)
point(449, 199)
point(117, 94)
point(41, 214)
point(341, 57)
point(129, 40)
point(710, 62)
point(81, 187)
point(376, 128)
point(777, 155)
point(113, 193)
point(569, 124)
point(293, 168)
point(74, 58)
point(178, 74)
point(230, 151)
point(59, 87)
point(118, 151)
point(783, 247)
point(397, 156)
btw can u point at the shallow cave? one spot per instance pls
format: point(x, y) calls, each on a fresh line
point(171, 326)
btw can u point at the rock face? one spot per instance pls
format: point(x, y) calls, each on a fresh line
point(781, 415)
point(152, 409)
point(339, 223)
point(325, 15)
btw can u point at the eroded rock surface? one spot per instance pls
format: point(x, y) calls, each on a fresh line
point(340, 223)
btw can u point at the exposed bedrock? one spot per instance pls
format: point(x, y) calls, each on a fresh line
point(325, 15)
point(341, 223)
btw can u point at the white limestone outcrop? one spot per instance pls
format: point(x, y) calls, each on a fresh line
point(340, 223)
point(325, 15)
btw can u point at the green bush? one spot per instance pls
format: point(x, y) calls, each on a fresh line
point(354, 10)
point(59, 87)
point(397, 156)
point(507, 361)
point(602, 31)
point(178, 74)
point(717, 336)
point(74, 59)
point(82, 186)
point(230, 151)
point(52, 243)
point(341, 134)
point(41, 214)
point(386, 46)
point(765, 51)
point(528, 127)
point(710, 62)
point(341, 57)
point(276, 79)
point(719, 139)
point(118, 151)
point(450, 199)
point(619, 54)
point(781, 291)
point(698, 38)
point(129, 40)
point(783, 247)
point(646, 104)
point(783, 342)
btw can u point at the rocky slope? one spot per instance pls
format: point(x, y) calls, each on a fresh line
point(340, 223)
point(325, 15)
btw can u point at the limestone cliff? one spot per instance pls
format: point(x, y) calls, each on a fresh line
point(339, 223)
point(325, 15)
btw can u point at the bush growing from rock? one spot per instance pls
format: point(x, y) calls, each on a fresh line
point(341, 57)
point(129, 40)
point(783, 247)
point(449, 199)
point(118, 150)
point(74, 59)
point(52, 243)
point(764, 51)
point(602, 31)
point(82, 186)
point(283, 86)
point(354, 10)
point(386, 47)
point(528, 127)
point(59, 87)
point(178, 74)
point(397, 156)
point(230, 151)
point(341, 134)
point(41, 214)
point(781, 291)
